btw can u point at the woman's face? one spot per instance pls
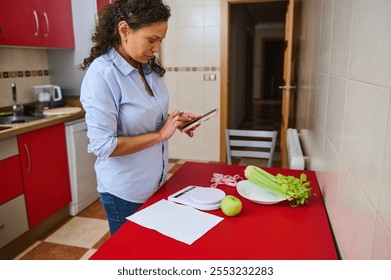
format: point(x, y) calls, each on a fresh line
point(142, 44)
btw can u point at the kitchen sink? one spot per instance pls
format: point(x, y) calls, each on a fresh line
point(19, 119)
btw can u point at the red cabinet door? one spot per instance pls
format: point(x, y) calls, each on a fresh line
point(56, 23)
point(44, 166)
point(19, 23)
point(102, 3)
point(11, 184)
point(37, 23)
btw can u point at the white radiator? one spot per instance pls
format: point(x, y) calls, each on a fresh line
point(295, 153)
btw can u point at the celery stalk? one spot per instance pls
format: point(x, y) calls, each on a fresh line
point(290, 187)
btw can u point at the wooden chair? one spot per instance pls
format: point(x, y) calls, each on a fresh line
point(251, 144)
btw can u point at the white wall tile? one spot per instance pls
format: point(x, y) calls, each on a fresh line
point(190, 100)
point(382, 241)
point(212, 15)
point(212, 36)
point(185, 57)
point(317, 153)
point(325, 39)
point(355, 219)
point(212, 56)
point(191, 37)
point(357, 134)
point(212, 94)
point(341, 34)
point(321, 100)
point(371, 41)
point(384, 205)
point(188, 3)
point(329, 184)
point(189, 16)
point(364, 134)
point(336, 111)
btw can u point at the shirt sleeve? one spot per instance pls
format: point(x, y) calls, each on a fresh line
point(101, 105)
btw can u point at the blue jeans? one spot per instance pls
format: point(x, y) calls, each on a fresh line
point(117, 210)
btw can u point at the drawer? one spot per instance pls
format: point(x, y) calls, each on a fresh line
point(8, 147)
point(11, 184)
point(13, 220)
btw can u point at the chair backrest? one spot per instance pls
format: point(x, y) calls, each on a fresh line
point(251, 144)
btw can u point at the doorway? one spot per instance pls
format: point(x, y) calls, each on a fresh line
point(273, 65)
point(261, 108)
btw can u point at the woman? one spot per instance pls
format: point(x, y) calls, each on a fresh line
point(126, 104)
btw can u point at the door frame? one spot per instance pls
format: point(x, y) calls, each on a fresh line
point(224, 67)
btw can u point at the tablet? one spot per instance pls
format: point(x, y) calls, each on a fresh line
point(201, 119)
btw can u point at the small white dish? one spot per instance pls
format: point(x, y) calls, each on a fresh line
point(257, 194)
point(207, 195)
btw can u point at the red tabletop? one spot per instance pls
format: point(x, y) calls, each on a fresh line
point(259, 232)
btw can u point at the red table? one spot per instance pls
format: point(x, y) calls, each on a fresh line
point(259, 232)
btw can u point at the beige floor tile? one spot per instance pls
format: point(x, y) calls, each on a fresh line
point(80, 232)
point(27, 250)
point(88, 254)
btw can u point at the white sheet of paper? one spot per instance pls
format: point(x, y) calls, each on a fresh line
point(180, 222)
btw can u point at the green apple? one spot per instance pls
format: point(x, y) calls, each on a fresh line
point(231, 205)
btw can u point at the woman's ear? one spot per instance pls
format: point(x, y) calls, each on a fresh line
point(123, 29)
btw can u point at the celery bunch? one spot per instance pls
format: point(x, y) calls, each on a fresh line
point(292, 188)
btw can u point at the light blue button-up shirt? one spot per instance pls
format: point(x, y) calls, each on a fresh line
point(117, 104)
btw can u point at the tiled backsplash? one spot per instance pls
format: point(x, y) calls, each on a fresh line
point(23, 73)
point(193, 69)
point(24, 67)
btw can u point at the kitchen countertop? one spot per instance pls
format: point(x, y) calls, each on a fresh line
point(20, 128)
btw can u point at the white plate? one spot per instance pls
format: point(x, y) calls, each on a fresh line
point(207, 195)
point(257, 194)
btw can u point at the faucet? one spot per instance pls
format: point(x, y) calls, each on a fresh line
point(17, 109)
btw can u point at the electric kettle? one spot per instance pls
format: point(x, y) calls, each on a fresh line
point(46, 97)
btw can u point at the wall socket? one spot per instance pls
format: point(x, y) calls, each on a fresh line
point(209, 77)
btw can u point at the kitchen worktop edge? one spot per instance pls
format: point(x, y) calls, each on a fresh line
point(17, 129)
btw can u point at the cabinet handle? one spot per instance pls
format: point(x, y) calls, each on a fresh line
point(47, 24)
point(28, 156)
point(36, 23)
point(2, 226)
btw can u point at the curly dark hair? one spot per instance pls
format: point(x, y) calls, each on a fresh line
point(137, 14)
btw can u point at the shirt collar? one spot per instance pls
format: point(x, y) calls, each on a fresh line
point(122, 65)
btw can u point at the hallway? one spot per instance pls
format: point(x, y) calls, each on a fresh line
point(264, 115)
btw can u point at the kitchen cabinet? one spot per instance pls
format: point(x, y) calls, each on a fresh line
point(45, 173)
point(13, 217)
point(11, 179)
point(37, 23)
point(101, 3)
point(13, 220)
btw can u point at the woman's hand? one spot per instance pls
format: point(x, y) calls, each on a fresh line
point(176, 120)
point(171, 124)
point(190, 117)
